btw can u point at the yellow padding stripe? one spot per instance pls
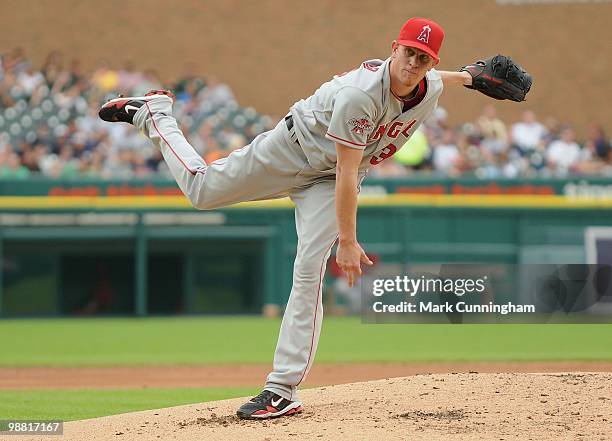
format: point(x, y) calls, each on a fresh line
point(392, 200)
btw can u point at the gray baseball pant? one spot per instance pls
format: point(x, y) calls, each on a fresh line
point(272, 166)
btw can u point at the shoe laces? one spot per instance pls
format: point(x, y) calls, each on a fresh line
point(263, 397)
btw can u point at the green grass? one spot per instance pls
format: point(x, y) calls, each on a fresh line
point(70, 405)
point(203, 340)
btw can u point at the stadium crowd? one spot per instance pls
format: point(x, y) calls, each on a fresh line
point(49, 126)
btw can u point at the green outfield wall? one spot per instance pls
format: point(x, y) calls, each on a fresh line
point(140, 255)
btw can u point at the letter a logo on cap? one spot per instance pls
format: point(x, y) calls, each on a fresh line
point(424, 35)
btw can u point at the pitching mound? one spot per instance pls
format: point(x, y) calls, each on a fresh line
point(423, 407)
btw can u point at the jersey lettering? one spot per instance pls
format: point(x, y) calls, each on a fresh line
point(380, 131)
point(395, 129)
point(392, 130)
point(408, 127)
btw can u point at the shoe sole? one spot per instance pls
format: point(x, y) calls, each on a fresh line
point(106, 111)
point(291, 409)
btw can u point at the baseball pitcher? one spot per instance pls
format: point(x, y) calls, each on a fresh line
point(318, 155)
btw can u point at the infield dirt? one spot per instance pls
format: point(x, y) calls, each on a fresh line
point(252, 375)
point(502, 406)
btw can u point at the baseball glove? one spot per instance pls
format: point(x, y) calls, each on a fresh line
point(499, 77)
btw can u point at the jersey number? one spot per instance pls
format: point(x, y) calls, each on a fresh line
point(385, 153)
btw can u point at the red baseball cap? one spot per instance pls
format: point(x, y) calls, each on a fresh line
point(423, 34)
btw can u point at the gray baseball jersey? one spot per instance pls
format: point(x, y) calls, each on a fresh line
point(359, 110)
point(356, 109)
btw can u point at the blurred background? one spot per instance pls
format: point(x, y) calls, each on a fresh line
point(93, 224)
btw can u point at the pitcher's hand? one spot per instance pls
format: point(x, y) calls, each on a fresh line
point(349, 258)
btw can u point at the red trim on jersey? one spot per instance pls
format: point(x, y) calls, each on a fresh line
point(345, 140)
point(170, 145)
point(314, 320)
point(415, 100)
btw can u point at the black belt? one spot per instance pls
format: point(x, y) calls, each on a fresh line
point(289, 123)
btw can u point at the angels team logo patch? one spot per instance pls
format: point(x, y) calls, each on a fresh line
point(424, 35)
point(360, 125)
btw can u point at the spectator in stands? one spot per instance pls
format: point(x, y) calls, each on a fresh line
point(563, 153)
point(39, 152)
point(598, 143)
point(154, 162)
point(203, 138)
point(76, 75)
point(104, 78)
point(214, 152)
point(43, 137)
point(9, 80)
point(595, 157)
point(446, 156)
point(139, 165)
point(29, 79)
point(29, 157)
point(230, 140)
point(150, 81)
point(437, 123)
point(129, 79)
point(527, 135)
point(71, 99)
point(217, 93)
point(69, 163)
point(493, 131)
point(15, 61)
point(11, 167)
point(415, 154)
point(469, 149)
point(188, 90)
point(553, 129)
point(52, 68)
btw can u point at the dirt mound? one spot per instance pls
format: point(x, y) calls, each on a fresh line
point(424, 407)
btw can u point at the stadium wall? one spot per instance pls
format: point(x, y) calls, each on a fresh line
point(141, 255)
